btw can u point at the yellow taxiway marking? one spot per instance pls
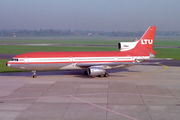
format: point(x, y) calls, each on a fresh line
point(178, 68)
point(166, 67)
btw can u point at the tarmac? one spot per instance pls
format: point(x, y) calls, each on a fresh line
point(141, 92)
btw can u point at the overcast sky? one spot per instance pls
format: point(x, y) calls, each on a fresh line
point(100, 15)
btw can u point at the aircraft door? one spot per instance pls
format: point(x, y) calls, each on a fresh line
point(70, 60)
point(26, 61)
point(115, 59)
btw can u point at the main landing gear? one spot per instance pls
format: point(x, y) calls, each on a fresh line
point(34, 74)
point(85, 72)
point(104, 75)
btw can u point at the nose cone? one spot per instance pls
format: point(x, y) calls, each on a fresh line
point(8, 65)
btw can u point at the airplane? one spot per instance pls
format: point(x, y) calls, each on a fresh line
point(93, 63)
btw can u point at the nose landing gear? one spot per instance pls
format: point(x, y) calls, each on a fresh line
point(34, 74)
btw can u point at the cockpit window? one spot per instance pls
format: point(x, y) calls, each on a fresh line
point(14, 59)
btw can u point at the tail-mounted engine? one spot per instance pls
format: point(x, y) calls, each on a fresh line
point(124, 46)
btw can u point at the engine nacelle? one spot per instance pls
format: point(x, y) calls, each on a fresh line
point(95, 71)
point(124, 46)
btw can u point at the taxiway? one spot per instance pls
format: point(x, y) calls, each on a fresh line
point(136, 93)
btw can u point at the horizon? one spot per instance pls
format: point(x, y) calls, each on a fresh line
point(116, 15)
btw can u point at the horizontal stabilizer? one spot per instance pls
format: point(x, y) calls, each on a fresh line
point(160, 59)
point(148, 63)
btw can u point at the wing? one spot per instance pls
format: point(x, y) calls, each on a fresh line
point(114, 64)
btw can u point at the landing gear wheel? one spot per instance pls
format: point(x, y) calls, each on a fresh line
point(101, 75)
point(34, 74)
point(106, 75)
point(85, 72)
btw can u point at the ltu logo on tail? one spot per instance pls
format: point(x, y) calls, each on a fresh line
point(146, 41)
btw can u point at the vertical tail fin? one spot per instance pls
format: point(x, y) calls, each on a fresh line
point(147, 39)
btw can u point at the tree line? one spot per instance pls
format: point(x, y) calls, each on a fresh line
point(52, 32)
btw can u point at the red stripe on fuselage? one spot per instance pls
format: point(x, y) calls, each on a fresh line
point(82, 54)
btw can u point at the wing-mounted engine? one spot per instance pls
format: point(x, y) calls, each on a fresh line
point(96, 71)
point(124, 46)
